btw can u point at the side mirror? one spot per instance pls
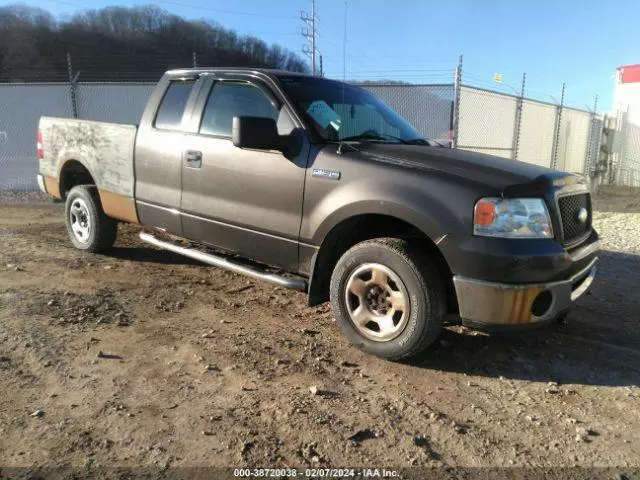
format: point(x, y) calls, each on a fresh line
point(261, 133)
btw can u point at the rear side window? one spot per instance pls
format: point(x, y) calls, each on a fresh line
point(169, 116)
point(228, 100)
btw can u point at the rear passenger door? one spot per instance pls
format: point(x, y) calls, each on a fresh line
point(245, 201)
point(158, 153)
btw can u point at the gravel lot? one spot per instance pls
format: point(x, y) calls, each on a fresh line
point(617, 219)
point(142, 357)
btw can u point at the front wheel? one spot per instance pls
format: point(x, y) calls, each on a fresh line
point(89, 228)
point(388, 297)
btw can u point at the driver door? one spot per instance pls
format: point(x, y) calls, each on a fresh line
point(245, 201)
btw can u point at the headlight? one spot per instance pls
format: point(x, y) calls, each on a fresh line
point(512, 218)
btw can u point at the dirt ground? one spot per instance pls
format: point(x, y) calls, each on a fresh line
point(142, 357)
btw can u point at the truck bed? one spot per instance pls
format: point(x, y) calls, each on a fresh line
point(104, 149)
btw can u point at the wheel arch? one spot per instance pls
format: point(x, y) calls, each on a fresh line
point(357, 228)
point(73, 172)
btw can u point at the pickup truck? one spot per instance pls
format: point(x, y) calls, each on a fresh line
point(317, 185)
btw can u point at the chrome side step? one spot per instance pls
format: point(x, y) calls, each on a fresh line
point(218, 261)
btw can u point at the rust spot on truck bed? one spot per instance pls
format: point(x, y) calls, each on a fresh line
point(51, 184)
point(119, 207)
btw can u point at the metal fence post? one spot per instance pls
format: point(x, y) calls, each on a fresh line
point(516, 129)
point(616, 147)
point(619, 171)
point(590, 138)
point(456, 103)
point(72, 87)
point(556, 136)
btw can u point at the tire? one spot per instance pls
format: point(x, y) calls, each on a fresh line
point(415, 321)
point(88, 226)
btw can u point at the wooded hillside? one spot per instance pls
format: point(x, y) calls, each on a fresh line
point(121, 43)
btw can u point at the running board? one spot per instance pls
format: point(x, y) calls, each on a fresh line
point(218, 261)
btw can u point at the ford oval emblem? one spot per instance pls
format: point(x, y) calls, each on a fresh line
point(583, 215)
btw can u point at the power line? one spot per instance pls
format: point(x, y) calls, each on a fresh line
point(67, 3)
point(230, 12)
point(373, 60)
point(399, 74)
point(195, 7)
point(413, 70)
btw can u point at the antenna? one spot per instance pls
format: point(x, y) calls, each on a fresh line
point(344, 45)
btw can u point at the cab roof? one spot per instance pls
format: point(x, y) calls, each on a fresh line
point(272, 72)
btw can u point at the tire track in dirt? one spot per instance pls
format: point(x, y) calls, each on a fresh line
point(217, 370)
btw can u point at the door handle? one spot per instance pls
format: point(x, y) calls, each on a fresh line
point(193, 158)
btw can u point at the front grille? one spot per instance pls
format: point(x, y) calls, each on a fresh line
point(573, 228)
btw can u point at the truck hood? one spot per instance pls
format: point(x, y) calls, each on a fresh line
point(495, 172)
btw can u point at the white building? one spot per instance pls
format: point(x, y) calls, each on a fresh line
point(626, 96)
point(626, 145)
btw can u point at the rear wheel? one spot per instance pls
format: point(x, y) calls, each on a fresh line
point(88, 226)
point(388, 298)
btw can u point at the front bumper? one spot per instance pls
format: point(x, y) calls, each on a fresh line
point(491, 305)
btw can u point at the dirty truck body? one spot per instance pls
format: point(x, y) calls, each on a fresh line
point(319, 186)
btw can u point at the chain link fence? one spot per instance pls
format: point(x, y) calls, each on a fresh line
point(20, 108)
point(626, 171)
point(426, 107)
point(488, 122)
point(537, 129)
point(594, 151)
point(525, 130)
point(573, 140)
point(22, 105)
point(112, 102)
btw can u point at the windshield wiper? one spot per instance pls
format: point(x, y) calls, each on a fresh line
point(372, 136)
point(417, 141)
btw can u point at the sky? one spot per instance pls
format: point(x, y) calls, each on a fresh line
point(579, 42)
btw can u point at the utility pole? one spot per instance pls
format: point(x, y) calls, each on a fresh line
point(310, 36)
point(194, 60)
point(313, 38)
point(321, 70)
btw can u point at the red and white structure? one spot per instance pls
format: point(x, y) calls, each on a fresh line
point(626, 98)
point(626, 142)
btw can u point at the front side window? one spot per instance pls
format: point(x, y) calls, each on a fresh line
point(169, 116)
point(338, 111)
point(227, 100)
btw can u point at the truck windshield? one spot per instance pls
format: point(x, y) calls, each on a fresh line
point(342, 112)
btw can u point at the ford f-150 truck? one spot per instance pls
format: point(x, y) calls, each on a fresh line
point(316, 184)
